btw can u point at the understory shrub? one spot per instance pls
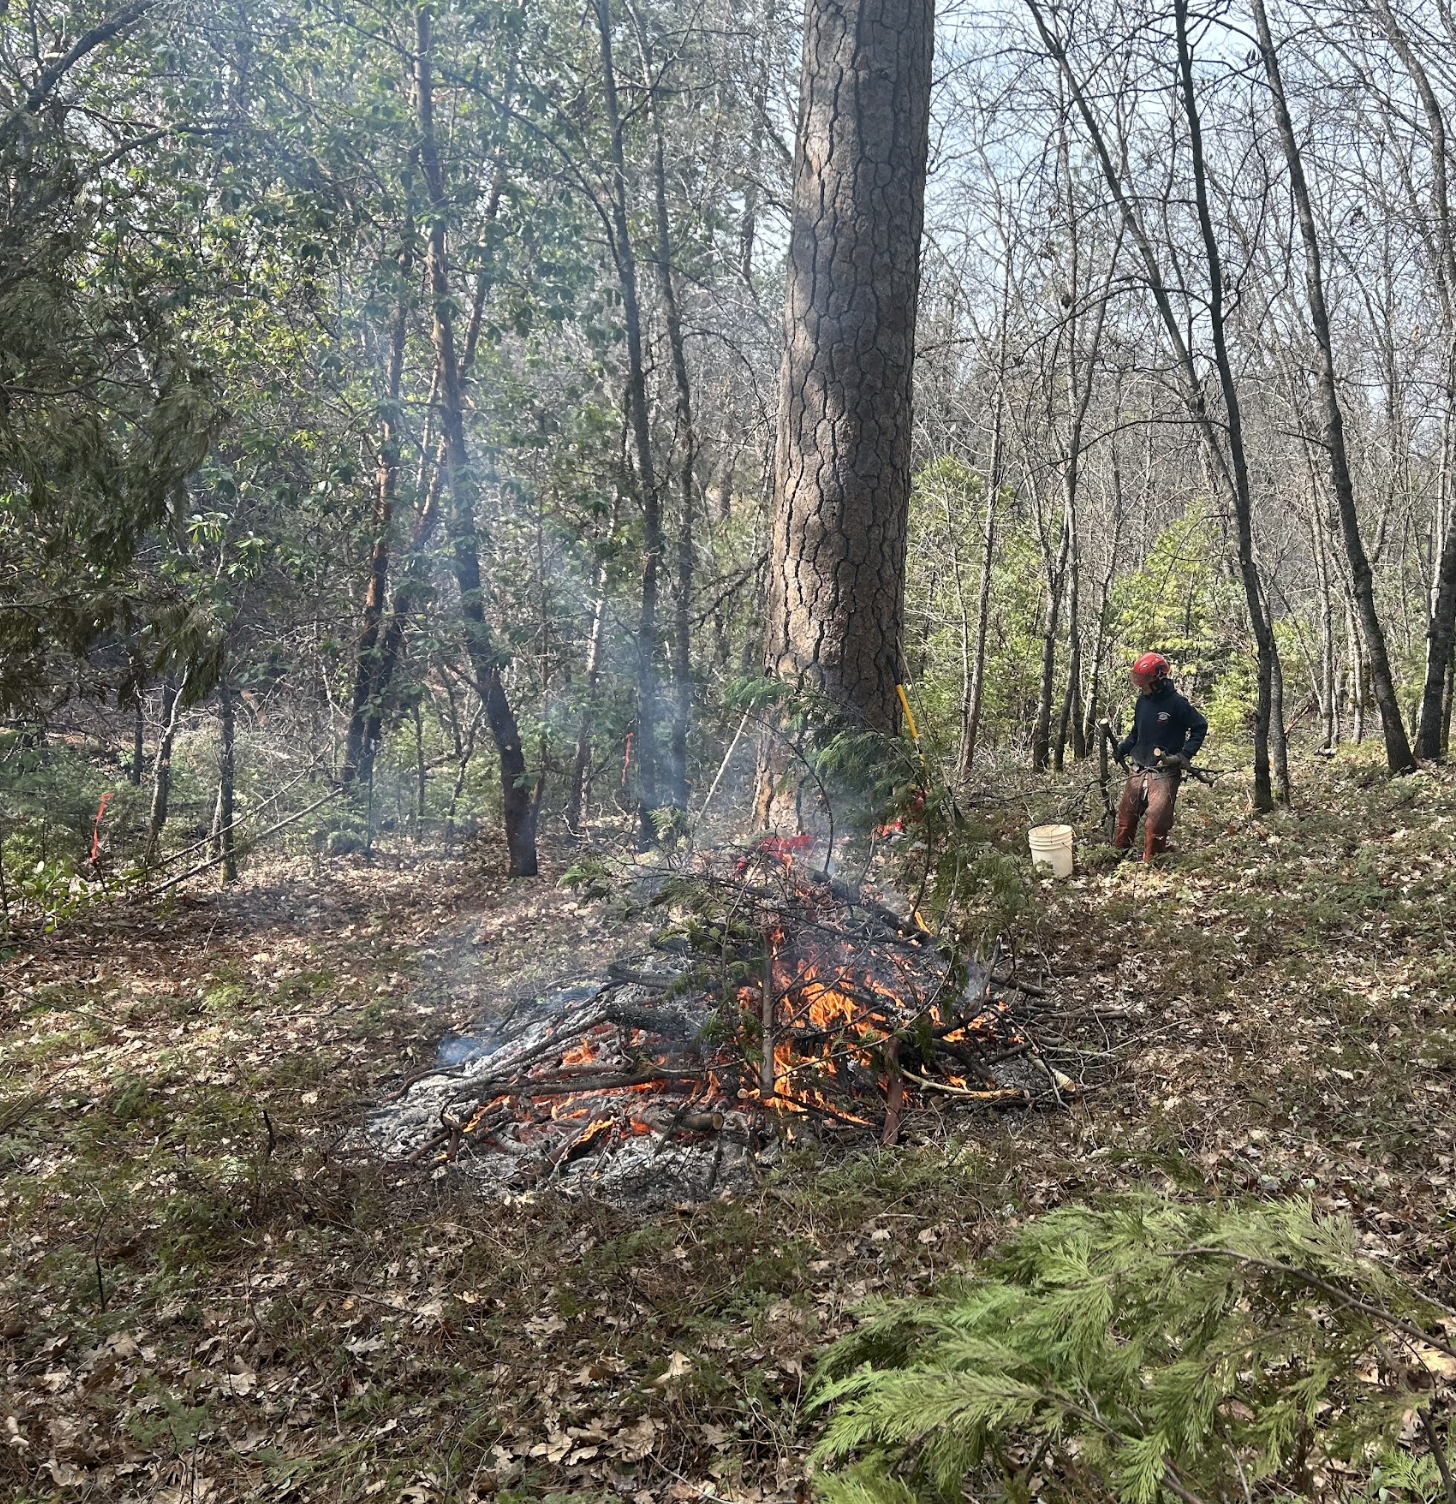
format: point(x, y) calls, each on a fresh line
point(1147, 1350)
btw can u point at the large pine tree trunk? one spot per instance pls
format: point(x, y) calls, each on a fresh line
point(842, 468)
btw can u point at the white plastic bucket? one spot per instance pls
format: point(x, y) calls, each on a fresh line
point(1051, 847)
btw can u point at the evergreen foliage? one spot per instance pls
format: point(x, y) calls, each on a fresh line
point(1139, 1351)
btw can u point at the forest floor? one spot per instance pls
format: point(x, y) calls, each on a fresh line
point(201, 1299)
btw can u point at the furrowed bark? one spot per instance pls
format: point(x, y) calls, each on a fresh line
point(842, 462)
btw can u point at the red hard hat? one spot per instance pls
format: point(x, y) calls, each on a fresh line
point(1149, 669)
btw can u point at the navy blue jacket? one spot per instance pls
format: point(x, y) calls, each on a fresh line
point(1163, 722)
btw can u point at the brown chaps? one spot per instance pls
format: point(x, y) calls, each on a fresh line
point(1155, 793)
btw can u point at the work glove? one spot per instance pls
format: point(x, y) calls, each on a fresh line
point(1175, 762)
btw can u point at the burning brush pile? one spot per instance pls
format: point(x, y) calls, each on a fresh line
point(780, 1005)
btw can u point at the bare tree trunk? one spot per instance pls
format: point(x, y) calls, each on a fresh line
point(581, 759)
point(576, 785)
point(748, 224)
point(162, 769)
point(1230, 465)
point(971, 707)
point(467, 750)
point(842, 467)
point(1328, 688)
point(1071, 716)
point(422, 771)
point(226, 783)
point(1278, 732)
point(1435, 708)
point(1434, 715)
point(485, 658)
point(1267, 785)
point(686, 449)
point(1397, 747)
point(389, 642)
point(358, 752)
point(1446, 706)
point(1041, 726)
point(1356, 669)
point(1104, 599)
point(138, 740)
point(626, 262)
point(1081, 374)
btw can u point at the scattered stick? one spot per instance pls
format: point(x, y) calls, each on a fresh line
point(718, 778)
point(894, 1096)
point(138, 894)
point(1006, 1094)
point(1029, 988)
point(639, 978)
point(766, 1084)
point(421, 1075)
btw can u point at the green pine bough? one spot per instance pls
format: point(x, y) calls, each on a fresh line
point(1144, 1351)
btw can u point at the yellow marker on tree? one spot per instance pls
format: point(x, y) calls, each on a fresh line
point(909, 717)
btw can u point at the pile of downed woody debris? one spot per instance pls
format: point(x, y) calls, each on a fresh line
point(778, 1004)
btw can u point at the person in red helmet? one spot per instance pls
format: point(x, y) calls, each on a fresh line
point(1167, 732)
